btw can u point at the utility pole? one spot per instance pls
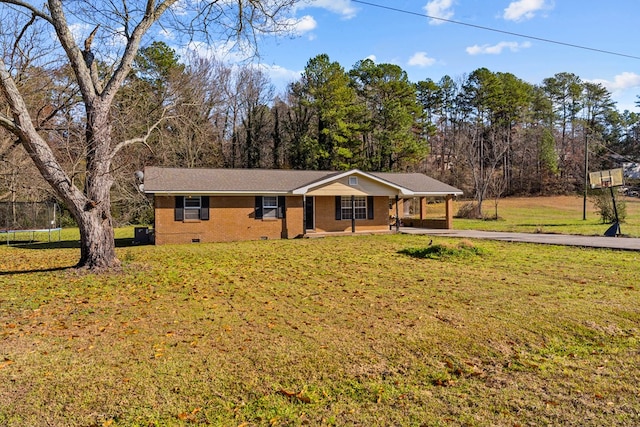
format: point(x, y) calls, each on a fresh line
point(586, 174)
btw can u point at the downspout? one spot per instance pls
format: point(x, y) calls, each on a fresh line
point(304, 214)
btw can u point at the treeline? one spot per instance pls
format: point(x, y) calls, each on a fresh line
point(488, 133)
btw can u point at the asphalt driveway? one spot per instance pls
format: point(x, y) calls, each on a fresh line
point(622, 243)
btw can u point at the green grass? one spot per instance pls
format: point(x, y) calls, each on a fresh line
point(559, 215)
point(333, 331)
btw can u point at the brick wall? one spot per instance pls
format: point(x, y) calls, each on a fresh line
point(231, 218)
point(326, 216)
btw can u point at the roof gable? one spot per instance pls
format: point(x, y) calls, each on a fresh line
point(345, 175)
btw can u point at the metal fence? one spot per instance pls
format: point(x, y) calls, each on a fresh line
point(18, 218)
point(25, 216)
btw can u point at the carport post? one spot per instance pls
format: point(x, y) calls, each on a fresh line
point(353, 214)
point(449, 211)
point(397, 214)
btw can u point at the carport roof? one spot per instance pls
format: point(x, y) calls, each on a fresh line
point(420, 184)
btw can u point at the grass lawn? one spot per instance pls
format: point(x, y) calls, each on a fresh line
point(558, 214)
point(315, 332)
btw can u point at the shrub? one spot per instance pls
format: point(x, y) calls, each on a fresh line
point(468, 211)
point(604, 206)
point(442, 251)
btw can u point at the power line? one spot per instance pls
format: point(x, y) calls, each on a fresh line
point(495, 30)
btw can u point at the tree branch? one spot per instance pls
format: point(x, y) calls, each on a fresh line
point(41, 154)
point(89, 60)
point(8, 124)
point(141, 140)
point(33, 10)
point(24, 30)
point(133, 43)
point(78, 64)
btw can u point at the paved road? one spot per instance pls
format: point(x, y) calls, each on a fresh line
point(624, 243)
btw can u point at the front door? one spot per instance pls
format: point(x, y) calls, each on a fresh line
point(309, 217)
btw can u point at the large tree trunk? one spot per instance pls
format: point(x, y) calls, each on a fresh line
point(97, 244)
point(92, 212)
point(97, 247)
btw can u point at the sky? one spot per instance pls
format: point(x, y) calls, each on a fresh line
point(405, 33)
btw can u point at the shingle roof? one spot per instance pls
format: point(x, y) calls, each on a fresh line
point(418, 183)
point(256, 181)
point(226, 180)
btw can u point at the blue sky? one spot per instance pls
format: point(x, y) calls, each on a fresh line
point(349, 31)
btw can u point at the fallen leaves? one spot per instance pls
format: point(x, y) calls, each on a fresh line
point(5, 362)
point(443, 382)
point(189, 416)
point(295, 397)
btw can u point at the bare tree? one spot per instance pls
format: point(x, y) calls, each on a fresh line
point(255, 93)
point(99, 75)
point(199, 126)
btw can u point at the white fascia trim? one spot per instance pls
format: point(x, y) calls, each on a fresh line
point(219, 193)
point(438, 193)
point(307, 188)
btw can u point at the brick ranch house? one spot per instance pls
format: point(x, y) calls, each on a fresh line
point(217, 205)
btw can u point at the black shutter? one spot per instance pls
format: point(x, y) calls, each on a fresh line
point(179, 210)
point(369, 207)
point(204, 208)
point(258, 213)
point(338, 208)
point(282, 209)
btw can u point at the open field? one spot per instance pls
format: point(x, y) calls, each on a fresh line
point(333, 331)
point(558, 214)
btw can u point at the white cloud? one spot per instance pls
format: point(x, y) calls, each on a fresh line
point(280, 74)
point(341, 7)
point(626, 80)
point(280, 77)
point(623, 88)
point(299, 26)
point(420, 59)
point(371, 57)
point(523, 9)
point(497, 49)
point(439, 9)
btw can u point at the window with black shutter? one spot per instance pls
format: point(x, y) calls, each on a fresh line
point(282, 208)
point(270, 207)
point(258, 207)
point(179, 209)
point(191, 208)
point(204, 208)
